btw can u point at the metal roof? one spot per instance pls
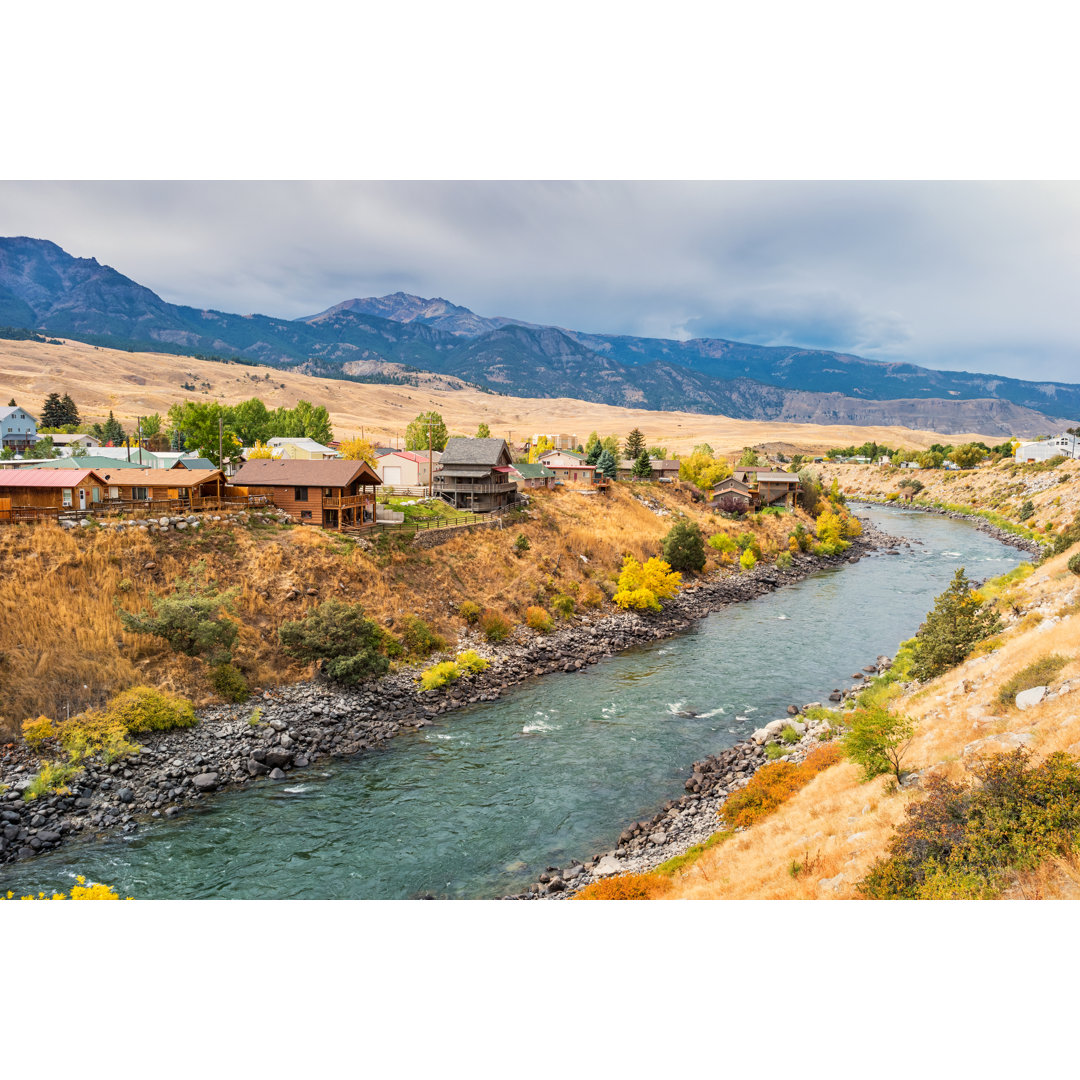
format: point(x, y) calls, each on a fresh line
point(304, 472)
point(535, 471)
point(46, 478)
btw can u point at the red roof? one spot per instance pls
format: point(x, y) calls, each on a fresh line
point(503, 468)
point(45, 478)
point(409, 455)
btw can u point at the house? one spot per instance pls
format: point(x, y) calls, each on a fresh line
point(49, 491)
point(760, 486)
point(568, 467)
point(18, 429)
point(67, 443)
point(334, 493)
point(87, 461)
point(1060, 446)
point(661, 470)
point(475, 474)
point(532, 476)
point(301, 449)
point(405, 468)
point(158, 485)
point(558, 442)
point(731, 494)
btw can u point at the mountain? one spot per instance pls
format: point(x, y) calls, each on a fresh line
point(44, 288)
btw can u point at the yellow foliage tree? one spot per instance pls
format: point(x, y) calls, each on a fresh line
point(259, 451)
point(703, 471)
point(543, 445)
point(358, 449)
point(829, 528)
point(642, 587)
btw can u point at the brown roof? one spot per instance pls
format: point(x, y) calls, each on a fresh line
point(289, 472)
point(46, 478)
point(167, 478)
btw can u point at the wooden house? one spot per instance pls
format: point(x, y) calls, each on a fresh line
point(763, 487)
point(49, 491)
point(731, 494)
point(157, 485)
point(475, 474)
point(335, 493)
point(18, 429)
point(302, 449)
point(660, 470)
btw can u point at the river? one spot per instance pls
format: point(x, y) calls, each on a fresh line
point(478, 804)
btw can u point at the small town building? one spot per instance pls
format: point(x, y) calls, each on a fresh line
point(405, 468)
point(532, 476)
point(161, 485)
point(761, 487)
point(731, 494)
point(661, 470)
point(335, 493)
point(301, 449)
point(67, 443)
point(48, 492)
point(569, 467)
point(1065, 445)
point(475, 474)
point(87, 461)
point(18, 429)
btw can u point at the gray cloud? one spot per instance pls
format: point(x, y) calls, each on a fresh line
point(982, 276)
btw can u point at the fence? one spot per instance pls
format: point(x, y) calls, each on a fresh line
point(134, 508)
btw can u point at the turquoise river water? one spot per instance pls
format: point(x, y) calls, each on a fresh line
point(480, 803)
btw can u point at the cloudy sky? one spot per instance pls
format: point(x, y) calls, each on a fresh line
point(978, 276)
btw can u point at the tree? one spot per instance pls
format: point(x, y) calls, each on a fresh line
point(111, 433)
point(913, 485)
point(967, 456)
point(704, 448)
point(540, 447)
point(749, 456)
point(69, 411)
point(12, 404)
point(151, 425)
point(797, 461)
point(260, 452)
point(958, 622)
point(358, 449)
point(592, 441)
point(702, 471)
point(198, 423)
point(606, 464)
point(52, 412)
point(7, 453)
point(251, 420)
point(593, 455)
point(634, 446)
point(338, 636)
point(877, 740)
point(658, 453)
point(43, 448)
point(416, 434)
point(1027, 510)
point(642, 587)
point(642, 466)
point(684, 547)
point(611, 444)
point(483, 432)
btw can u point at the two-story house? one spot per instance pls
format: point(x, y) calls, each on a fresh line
point(476, 474)
point(18, 429)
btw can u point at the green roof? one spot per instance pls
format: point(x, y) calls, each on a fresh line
point(197, 463)
point(533, 472)
point(91, 462)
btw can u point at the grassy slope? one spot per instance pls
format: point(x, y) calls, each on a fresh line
point(135, 384)
point(839, 825)
point(61, 642)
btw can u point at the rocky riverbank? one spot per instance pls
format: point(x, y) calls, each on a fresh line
point(289, 729)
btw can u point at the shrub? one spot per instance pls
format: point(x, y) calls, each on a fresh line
point(419, 639)
point(439, 675)
point(784, 560)
point(1027, 510)
point(142, 708)
point(1074, 563)
point(723, 543)
point(52, 779)
point(472, 662)
point(684, 547)
point(190, 619)
point(495, 626)
point(229, 683)
point(877, 740)
point(1038, 673)
point(563, 605)
point(79, 891)
point(957, 623)
point(642, 587)
point(124, 585)
point(626, 887)
point(521, 544)
point(536, 618)
point(772, 785)
point(789, 735)
point(35, 732)
point(747, 560)
point(470, 612)
point(339, 638)
point(963, 840)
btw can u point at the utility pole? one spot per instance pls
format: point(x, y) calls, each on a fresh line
point(429, 462)
point(138, 432)
point(220, 440)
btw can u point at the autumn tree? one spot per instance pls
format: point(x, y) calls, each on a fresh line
point(877, 740)
point(357, 449)
point(642, 586)
point(702, 471)
point(417, 433)
point(967, 456)
point(260, 452)
point(483, 432)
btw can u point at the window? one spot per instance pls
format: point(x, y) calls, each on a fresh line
point(300, 495)
point(139, 493)
point(305, 513)
point(66, 496)
point(114, 492)
point(95, 494)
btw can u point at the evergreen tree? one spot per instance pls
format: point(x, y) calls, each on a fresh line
point(606, 464)
point(175, 440)
point(634, 445)
point(12, 404)
point(642, 467)
point(957, 623)
point(684, 547)
point(112, 431)
point(749, 456)
point(593, 454)
point(70, 412)
point(52, 412)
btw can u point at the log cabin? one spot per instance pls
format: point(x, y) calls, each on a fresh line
point(157, 485)
point(48, 492)
point(335, 493)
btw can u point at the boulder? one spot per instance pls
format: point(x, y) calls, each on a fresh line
point(1026, 698)
point(607, 865)
point(276, 774)
point(277, 758)
point(205, 781)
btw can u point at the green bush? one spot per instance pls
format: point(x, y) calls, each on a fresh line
point(1027, 510)
point(439, 675)
point(470, 612)
point(419, 639)
point(747, 560)
point(723, 543)
point(784, 560)
point(472, 662)
point(789, 735)
point(337, 636)
point(877, 740)
point(142, 708)
point(1037, 674)
point(229, 683)
point(53, 777)
point(496, 627)
point(957, 623)
point(1074, 563)
point(684, 547)
point(563, 605)
point(521, 544)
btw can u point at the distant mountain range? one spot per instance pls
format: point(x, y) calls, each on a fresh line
point(43, 288)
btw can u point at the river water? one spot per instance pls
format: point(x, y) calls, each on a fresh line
point(480, 803)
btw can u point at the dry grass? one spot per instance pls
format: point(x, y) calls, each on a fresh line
point(839, 826)
point(136, 384)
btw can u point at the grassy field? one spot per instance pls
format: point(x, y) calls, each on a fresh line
point(137, 384)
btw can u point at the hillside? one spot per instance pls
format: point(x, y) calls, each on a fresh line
point(44, 288)
point(137, 384)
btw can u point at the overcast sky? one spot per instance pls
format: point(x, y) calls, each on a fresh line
point(984, 277)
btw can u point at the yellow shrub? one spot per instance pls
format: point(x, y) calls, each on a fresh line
point(81, 891)
point(747, 560)
point(143, 708)
point(626, 887)
point(536, 618)
point(472, 661)
point(642, 587)
point(35, 732)
point(439, 675)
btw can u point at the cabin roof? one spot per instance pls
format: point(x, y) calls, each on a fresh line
point(304, 472)
point(174, 478)
point(483, 452)
point(46, 478)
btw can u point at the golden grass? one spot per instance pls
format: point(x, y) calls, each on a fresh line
point(136, 384)
point(839, 826)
